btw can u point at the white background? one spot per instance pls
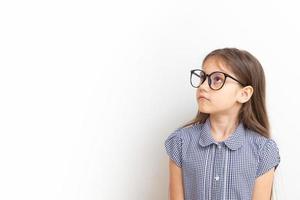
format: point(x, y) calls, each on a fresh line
point(90, 90)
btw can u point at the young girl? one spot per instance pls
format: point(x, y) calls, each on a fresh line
point(226, 151)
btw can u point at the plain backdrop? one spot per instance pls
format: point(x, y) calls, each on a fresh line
point(89, 90)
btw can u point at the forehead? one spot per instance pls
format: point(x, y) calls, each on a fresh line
point(215, 64)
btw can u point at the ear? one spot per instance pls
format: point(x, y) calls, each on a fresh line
point(245, 94)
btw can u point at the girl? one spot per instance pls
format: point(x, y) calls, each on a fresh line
point(226, 151)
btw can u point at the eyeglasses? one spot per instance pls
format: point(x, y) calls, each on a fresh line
point(216, 79)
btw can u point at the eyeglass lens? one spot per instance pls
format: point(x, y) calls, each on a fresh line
point(217, 79)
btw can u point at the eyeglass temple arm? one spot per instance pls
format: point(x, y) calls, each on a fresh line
point(235, 79)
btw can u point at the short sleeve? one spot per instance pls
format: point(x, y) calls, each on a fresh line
point(269, 157)
point(173, 146)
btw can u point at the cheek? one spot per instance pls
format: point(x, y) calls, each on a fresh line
point(223, 99)
point(224, 102)
point(219, 100)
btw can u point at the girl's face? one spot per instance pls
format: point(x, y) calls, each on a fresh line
point(224, 100)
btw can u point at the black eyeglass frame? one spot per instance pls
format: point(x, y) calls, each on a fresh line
point(209, 80)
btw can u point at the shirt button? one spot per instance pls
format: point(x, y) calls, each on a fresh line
point(217, 178)
point(219, 146)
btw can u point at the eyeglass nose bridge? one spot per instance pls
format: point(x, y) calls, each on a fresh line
point(207, 76)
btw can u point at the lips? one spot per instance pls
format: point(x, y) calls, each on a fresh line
point(203, 97)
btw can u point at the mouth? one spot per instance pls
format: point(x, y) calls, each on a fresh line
point(202, 99)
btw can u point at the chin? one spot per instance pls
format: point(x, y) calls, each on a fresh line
point(202, 110)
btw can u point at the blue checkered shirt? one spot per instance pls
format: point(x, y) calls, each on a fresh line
point(220, 170)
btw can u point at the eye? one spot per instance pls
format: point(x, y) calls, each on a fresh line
point(217, 79)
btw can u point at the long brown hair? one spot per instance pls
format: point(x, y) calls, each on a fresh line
point(248, 70)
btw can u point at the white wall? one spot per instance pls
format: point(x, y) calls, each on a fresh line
point(90, 90)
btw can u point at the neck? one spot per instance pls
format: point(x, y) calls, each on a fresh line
point(222, 126)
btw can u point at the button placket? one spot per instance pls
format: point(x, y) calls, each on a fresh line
point(217, 172)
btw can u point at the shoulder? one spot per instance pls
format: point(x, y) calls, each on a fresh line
point(182, 137)
point(260, 142)
point(266, 149)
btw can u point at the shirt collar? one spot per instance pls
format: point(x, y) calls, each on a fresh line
point(234, 141)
